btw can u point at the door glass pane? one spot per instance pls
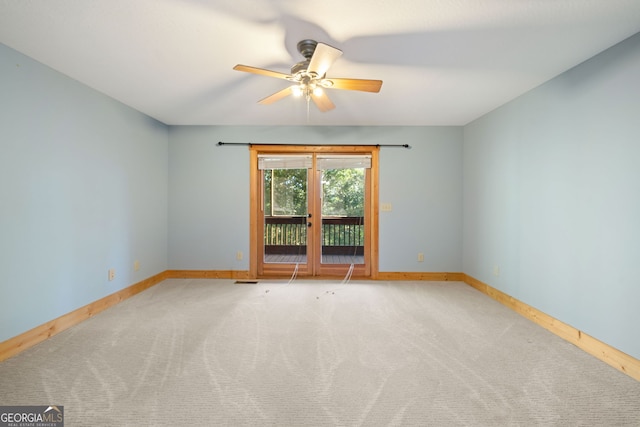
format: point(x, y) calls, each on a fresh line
point(285, 215)
point(343, 216)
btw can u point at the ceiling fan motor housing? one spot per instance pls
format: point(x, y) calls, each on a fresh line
point(300, 67)
point(307, 47)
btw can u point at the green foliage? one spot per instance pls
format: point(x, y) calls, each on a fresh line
point(343, 192)
point(286, 192)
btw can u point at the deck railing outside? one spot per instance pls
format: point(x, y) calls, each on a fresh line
point(340, 235)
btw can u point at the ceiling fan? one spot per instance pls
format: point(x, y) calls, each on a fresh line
point(309, 76)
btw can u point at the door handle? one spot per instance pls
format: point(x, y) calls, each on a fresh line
point(309, 224)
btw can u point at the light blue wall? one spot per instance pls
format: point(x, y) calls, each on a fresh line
point(83, 188)
point(552, 197)
point(209, 193)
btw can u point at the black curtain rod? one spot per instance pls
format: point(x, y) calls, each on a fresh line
point(313, 145)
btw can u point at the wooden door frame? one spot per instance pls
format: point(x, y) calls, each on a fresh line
point(371, 229)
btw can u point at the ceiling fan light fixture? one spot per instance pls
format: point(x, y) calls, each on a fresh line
point(297, 90)
point(317, 91)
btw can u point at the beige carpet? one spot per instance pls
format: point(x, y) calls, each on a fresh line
point(212, 352)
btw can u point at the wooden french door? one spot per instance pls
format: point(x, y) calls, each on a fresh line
point(314, 211)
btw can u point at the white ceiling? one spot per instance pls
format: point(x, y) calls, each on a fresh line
point(443, 62)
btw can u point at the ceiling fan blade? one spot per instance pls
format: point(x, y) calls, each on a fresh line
point(323, 102)
point(323, 57)
point(276, 96)
point(261, 71)
point(356, 84)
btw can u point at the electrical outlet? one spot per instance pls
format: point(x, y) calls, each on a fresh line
point(239, 255)
point(420, 257)
point(136, 265)
point(112, 274)
point(496, 270)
